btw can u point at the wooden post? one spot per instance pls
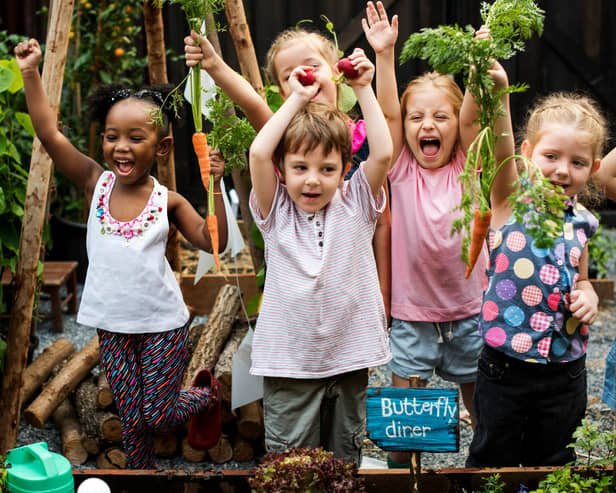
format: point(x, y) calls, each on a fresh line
point(415, 456)
point(157, 70)
point(31, 231)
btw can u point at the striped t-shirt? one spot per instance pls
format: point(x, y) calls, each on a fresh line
point(322, 312)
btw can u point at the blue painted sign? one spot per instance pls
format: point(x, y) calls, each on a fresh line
point(414, 419)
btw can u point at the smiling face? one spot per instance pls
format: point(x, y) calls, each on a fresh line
point(302, 51)
point(565, 156)
point(131, 141)
point(430, 126)
point(312, 177)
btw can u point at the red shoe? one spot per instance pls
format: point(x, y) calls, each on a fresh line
point(205, 428)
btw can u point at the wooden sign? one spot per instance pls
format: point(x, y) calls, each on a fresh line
point(414, 419)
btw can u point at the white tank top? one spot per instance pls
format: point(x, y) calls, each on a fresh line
point(130, 287)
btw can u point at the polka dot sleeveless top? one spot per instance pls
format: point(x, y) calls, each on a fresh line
point(525, 306)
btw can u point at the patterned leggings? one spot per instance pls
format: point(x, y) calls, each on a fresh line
point(145, 373)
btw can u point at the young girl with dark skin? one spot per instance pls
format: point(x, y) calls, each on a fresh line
point(131, 295)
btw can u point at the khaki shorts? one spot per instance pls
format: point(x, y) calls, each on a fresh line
point(324, 412)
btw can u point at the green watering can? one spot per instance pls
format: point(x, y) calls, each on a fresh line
point(34, 469)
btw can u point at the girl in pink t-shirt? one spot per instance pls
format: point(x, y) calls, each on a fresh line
point(434, 309)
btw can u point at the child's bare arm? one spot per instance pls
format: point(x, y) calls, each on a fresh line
point(190, 223)
point(379, 161)
point(263, 146)
point(200, 51)
point(382, 37)
point(605, 176)
point(76, 166)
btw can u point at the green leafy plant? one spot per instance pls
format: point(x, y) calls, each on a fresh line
point(16, 133)
point(599, 254)
point(595, 452)
point(303, 470)
point(492, 484)
point(453, 50)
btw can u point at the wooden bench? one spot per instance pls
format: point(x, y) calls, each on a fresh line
point(55, 275)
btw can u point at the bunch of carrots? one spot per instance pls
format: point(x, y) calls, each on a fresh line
point(451, 50)
point(196, 12)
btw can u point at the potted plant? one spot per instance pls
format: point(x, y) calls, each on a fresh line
point(303, 470)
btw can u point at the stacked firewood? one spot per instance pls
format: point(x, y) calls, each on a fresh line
point(82, 406)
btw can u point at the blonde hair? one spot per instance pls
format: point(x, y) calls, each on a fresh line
point(317, 124)
point(439, 81)
point(324, 46)
point(567, 108)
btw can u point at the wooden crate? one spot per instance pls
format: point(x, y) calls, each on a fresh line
point(604, 289)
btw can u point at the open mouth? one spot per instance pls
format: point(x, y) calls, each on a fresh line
point(430, 146)
point(124, 166)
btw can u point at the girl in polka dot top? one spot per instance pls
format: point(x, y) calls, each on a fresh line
point(530, 393)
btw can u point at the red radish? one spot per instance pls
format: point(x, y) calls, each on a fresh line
point(307, 78)
point(346, 67)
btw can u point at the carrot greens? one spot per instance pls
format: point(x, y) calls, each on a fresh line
point(455, 50)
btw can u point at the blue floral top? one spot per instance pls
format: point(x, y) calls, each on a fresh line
point(525, 306)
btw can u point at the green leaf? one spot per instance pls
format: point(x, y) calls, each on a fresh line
point(346, 98)
point(25, 121)
point(7, 76)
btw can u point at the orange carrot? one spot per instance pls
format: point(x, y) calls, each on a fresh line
point(212, 227)
point(481, 225)
point(202, 151)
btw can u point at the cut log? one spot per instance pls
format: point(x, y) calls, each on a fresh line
point(250, 421)
point(104, 397)
point(63, 384)
point(224, 365)
point(192, 454)
point(70, 433)
point(97, 424)
point(165, 443)
point(215, 332)
point(221, 452)
point(243, 451)
point(112, 458)
point(35, 375)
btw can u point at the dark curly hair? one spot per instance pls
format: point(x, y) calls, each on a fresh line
point(103, 97)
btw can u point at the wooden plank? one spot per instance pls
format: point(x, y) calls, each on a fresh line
point(413, 419)
point(201, 296)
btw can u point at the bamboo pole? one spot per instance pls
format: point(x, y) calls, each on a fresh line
point(31, 231)
point(157, 70)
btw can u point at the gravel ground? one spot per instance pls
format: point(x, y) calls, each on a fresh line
point(602, 334)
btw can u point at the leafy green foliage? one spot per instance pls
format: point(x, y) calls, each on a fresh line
point(230, 134)
point(599, 252)
point(597, 448)
point(453, 50)
point(492, 484)
point(15, 149)
point(305, 470)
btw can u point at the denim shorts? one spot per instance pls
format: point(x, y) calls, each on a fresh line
point(450, 349)
point(609, 393)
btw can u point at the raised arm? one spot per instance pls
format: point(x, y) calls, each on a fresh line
point(507, 177)
point(262, 171)
point(382, 37)
point(76, 166)
point(199, 50)
point(379, 160)
point(605, 176)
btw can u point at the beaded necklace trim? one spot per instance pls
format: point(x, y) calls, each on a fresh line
point(130, 229)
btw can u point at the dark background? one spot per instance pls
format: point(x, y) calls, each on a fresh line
point(577, 51)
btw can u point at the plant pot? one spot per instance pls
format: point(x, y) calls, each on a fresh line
point(69, 243)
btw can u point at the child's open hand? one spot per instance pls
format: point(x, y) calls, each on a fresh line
point(379, 32)
point(28, 54)
point(217, 165)
point(198, 50)
point(584, 306)
point(365, 68)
